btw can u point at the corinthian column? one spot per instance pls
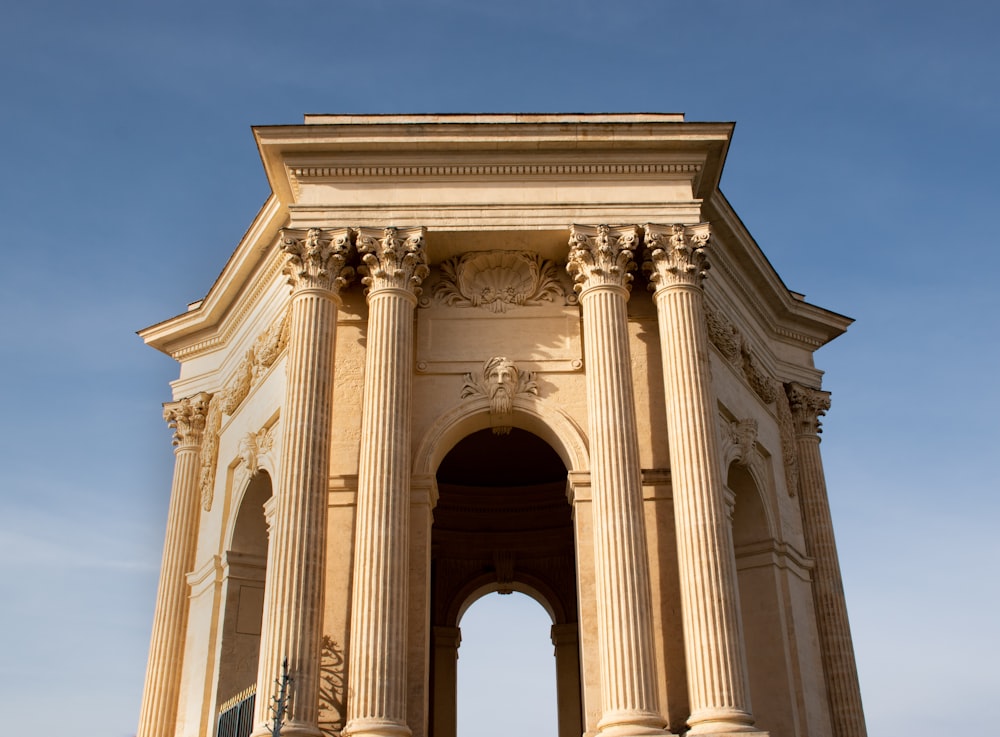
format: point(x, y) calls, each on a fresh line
point(166, 649)
point(713, 638)
point(600, 260)
point(843, 688)
point(294, 586)
point(395, 266)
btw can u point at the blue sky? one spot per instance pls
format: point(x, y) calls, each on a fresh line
point(864, 163)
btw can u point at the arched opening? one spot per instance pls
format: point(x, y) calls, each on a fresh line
point(502, 524)
point(762, 606)
point(243, 570)
point(506, 653)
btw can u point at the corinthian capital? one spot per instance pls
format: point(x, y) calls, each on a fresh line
point(675, 254)
point(807, 406)
point(394, 258)
point(187, 418)
point(602, 256)
point(317, 259)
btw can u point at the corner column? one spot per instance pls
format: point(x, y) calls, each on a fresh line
point(843, 688)
point(158, 716)
point(713, 633)
point(292, 627)
point(600, 261)
point(395, 266)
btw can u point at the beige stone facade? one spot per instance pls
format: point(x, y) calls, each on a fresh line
point(462, 354)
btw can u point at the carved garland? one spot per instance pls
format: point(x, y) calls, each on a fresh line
point(499, 280)
point(731, 344)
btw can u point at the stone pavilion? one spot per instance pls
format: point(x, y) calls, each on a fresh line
point(462, 354)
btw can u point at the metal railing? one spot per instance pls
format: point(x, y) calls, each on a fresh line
point(236, 714)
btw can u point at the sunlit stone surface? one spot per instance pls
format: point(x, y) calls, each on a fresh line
point(464, 354)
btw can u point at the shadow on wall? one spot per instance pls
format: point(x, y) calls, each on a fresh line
point(331, 688)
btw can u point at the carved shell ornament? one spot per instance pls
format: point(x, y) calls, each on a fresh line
point(498, 280)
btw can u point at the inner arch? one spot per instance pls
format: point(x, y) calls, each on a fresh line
point(502, 524)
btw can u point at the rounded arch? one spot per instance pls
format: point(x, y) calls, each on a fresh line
point(753, 518)
point(551, 424)
point(249, 523)
point(484, 585)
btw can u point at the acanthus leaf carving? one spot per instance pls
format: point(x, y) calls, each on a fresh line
point(602, 256)
point(743, 436)
point(393, 258)
point(252, 446)
point(260, 356)
point(186, 417)
point(789, 452)
point(317, 258)
point(807, 406)
point(501, 381)
point(676, 254)
point(498, 280)
point(210, 453)
point(764, 386)
point(723, 334)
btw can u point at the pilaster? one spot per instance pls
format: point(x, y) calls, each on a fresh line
point(713, 639)
point(600, 261)
point(843, 688)
point(316, 269)
point(158, 716)
point(394, 267)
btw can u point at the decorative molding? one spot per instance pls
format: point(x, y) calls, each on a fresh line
point(789, 452)
point(327, 172)
point(499, 280)
point(741, 435)
point(675, 254)
point(317, 258)
point(503, 562)
point(500, 383)
point(394, 258)
point(259, 357)
point(763, 385)
point(731, 344)
point(602, 256)
point(763, 314)
point(186, 418)
point(252, 446)
point(210, 453)
point(807, 406)
point(723, 335)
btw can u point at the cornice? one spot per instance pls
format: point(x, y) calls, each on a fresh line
point(231, 297)
point(461, 146)
point(786, 315)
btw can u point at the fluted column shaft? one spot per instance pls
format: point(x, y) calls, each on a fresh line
point(600, 260)
point(843, 688)
point(294, 585)
point(713, 639)
point(158, 716)
point(376, 703)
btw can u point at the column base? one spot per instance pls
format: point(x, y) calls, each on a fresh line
point(373, 727)
point(723, 723)
point(632, 724)
point(289, 729)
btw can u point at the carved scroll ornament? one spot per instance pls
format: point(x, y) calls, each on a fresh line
point(498, 280)
point(393, 258)
point(676, 254)
point(317, 259)
point(602, 256)
point(210, 453)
